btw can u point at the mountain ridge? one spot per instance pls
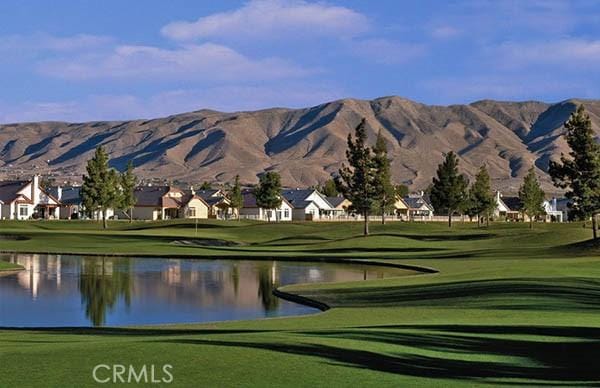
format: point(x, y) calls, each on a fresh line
point(306, 145)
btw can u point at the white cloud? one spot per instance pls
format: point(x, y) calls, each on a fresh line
point(207, 62)
point(573, 53)
point(38, 42)
point(387, 52)
point(272, 19)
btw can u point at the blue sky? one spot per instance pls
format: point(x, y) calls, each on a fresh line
point(99, 60)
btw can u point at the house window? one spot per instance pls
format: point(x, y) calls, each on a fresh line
point(23, 211)
point(286, 213)
point(192, 212)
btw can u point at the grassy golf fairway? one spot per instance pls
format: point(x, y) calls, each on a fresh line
point(509, 305)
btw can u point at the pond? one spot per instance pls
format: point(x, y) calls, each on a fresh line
point(68, 290)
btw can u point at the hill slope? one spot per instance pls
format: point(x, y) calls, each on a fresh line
point(305, 145)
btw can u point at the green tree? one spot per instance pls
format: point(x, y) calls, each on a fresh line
point(449, 189)
point(205, 186)
point(268, 192)
point(532, 197)
point(235, 196)
point(329, 188)
point(356, 181)
point(100, 190)
point(401, 191)
point(481, 196)
point(580, 171)
point(385, 195)
point(128, 184)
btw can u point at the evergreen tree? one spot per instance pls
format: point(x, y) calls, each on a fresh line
point(268, 192)
point(580, 172)
point(449, 189)
point(128, 183)
point(532, 197)
point(481, 196)
point(356, 181)
point(329, 188)
point(401, 191)
point(385, 191)
point(100, 190)
point(235, 196)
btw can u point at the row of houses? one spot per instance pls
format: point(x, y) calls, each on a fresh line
point(21, 200)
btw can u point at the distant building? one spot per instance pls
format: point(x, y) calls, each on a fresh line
point(23, 200)
point(166, 202)
point(419, 207)
point(71, 204)
point(251, 210)
point(340, 206)
point(219, 205)
point(309, 205)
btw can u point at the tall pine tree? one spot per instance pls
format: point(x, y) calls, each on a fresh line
point(580, 171)
point(128, 183)
point(100, 190)
point(385, 190)
point(235, 196)
point(532, 197)
point(356, 181)
point(449, 189)
point(481, 196)
point(268, 192)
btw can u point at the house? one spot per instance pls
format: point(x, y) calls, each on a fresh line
point(71, 204)
point(251, 210)
point(309, 205)
point(219, 205)
point(554, 212)
point(22, 200)
point(340, 206)
point(401, 208)
point(419, 208)
point(166, 202)
point(508, 208)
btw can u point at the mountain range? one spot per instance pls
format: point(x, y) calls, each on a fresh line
point(306, 146)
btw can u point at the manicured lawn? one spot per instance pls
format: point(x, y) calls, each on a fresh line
point(508, 306)
point(4, 266)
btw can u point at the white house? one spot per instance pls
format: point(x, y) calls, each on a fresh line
point(554, 211)
point(419, 209)
point(22, 200)
point(309, 205)
point(250, 210)
point(71, 204)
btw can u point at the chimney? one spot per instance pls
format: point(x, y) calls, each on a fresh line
point(192, 190)
point(59, 193)
point(554, 204)
point(35, 189)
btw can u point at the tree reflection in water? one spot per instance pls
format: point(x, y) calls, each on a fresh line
point(101, 283)
point(267, 282)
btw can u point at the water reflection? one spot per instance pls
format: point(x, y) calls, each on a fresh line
point(65, 290)
point(100, 285)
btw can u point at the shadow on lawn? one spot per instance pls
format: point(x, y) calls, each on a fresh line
point(558, 294)
point(439, 237)
point(567, 360)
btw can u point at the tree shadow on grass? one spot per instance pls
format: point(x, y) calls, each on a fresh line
point(566, 361)
point(440, 237)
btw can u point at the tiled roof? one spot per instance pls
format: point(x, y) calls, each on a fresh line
point(298, 197)
point(71, 195)
point(513, 203)
point(150, 195)
point(335, 201)
point(9, 190)
point(416, 202)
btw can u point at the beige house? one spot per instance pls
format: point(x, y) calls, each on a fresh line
point(166, 202)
